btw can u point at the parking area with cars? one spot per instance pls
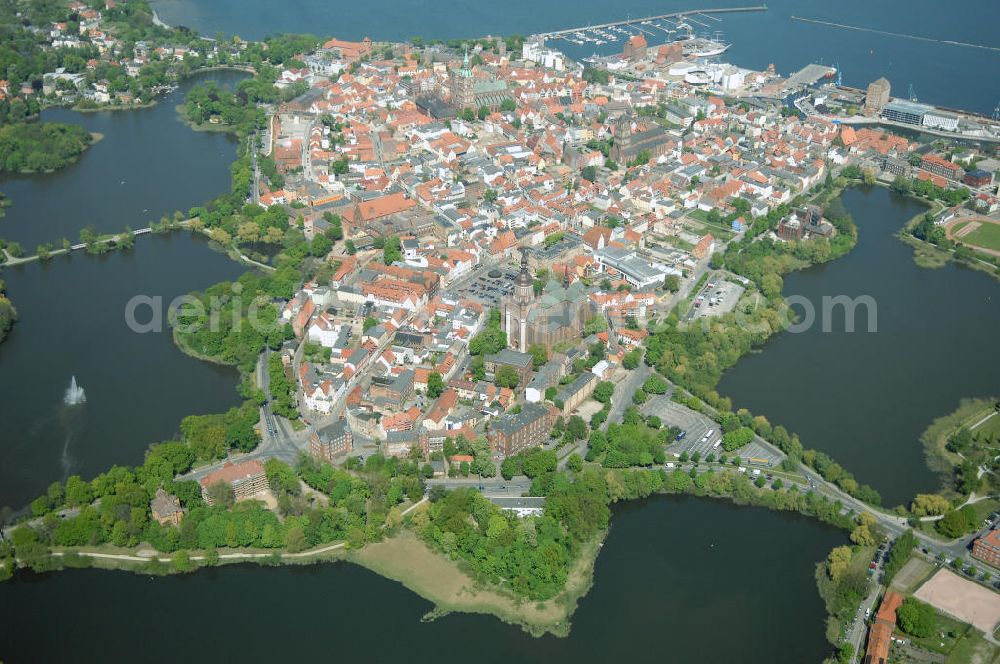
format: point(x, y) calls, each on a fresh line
point(700, 434)
point(486, 285)
point(715, 298)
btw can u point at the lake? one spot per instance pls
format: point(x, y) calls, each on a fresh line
point(862, 397)
point(679, 579)
point(72, 310)
point(940, 73)
point(138, 386)
point(147, 165)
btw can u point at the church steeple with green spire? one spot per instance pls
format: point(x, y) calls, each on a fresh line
point(466, 70)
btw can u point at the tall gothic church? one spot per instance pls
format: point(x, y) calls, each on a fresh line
point(558, 314)
point(469, 92)
point(463, 86)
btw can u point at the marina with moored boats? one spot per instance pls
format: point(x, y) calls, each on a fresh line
point(676, 27)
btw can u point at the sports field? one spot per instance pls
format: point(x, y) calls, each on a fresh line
point(979, 232)
point(913, 573)
point(963, 599)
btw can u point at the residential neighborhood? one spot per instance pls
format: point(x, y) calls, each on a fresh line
point(491, 191)
point(503, 320)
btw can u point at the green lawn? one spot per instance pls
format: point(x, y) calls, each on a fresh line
point(718, 230)
point(839, 608)
point(990, 427)
point(973, 648)
point(935, 437)
point(912, 575)
point(949, 633)
point(984, 508)
point(678, 243)
point(986, 236)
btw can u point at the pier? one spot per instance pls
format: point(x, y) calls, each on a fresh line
point(635, 21)
point(894, 34)
point(922, 129)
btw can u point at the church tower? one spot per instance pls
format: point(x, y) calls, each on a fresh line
point(623, 128)
point(463, 84)
point(524, 286)
point(517, 307)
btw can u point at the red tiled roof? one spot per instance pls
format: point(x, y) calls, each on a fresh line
point(880, 635)
point(232, 472)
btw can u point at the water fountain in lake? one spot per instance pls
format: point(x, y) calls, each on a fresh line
point(74, 394)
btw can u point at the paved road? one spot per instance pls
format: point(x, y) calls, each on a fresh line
point(893, 524)
point(490, 485)
point(279, 439)
point(276, 441)
point(253, 146)
point(622, 396)
point(859, 628)
point(688, 284)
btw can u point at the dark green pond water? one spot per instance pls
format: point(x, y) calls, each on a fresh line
point(678, 580)
point(863, 397)
point(72, 310)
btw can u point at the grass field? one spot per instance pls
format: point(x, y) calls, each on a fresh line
point(914, 572)
point(973, 648)
point(990, 427)
point(838, 612)
point(435, 577)
point(986, 236)
point(926, 255)
point(718, 230)
point(984, 508)
point(677, 243)
point(950, 633)
point(935, 437)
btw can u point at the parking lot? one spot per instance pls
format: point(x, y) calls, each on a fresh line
point(696, 426)
point(715, 298)
point(486, 285)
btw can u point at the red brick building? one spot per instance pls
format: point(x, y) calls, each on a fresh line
point(635, 48)
point(978, 178)
point(987, 548)
point(513, 432)
point(880, 634)
point(940, 166)
point(331, 441)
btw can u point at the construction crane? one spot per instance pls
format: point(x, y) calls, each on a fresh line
point(840, 79)
point(913, 93)
point(996, 113)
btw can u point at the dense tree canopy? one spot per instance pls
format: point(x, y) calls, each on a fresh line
point(209, 100)
point(916, 618)
point(632, 443)
point(533, 555)
point(232, 322)
point(8, 314)
point(491, 339)
point(40, 146)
